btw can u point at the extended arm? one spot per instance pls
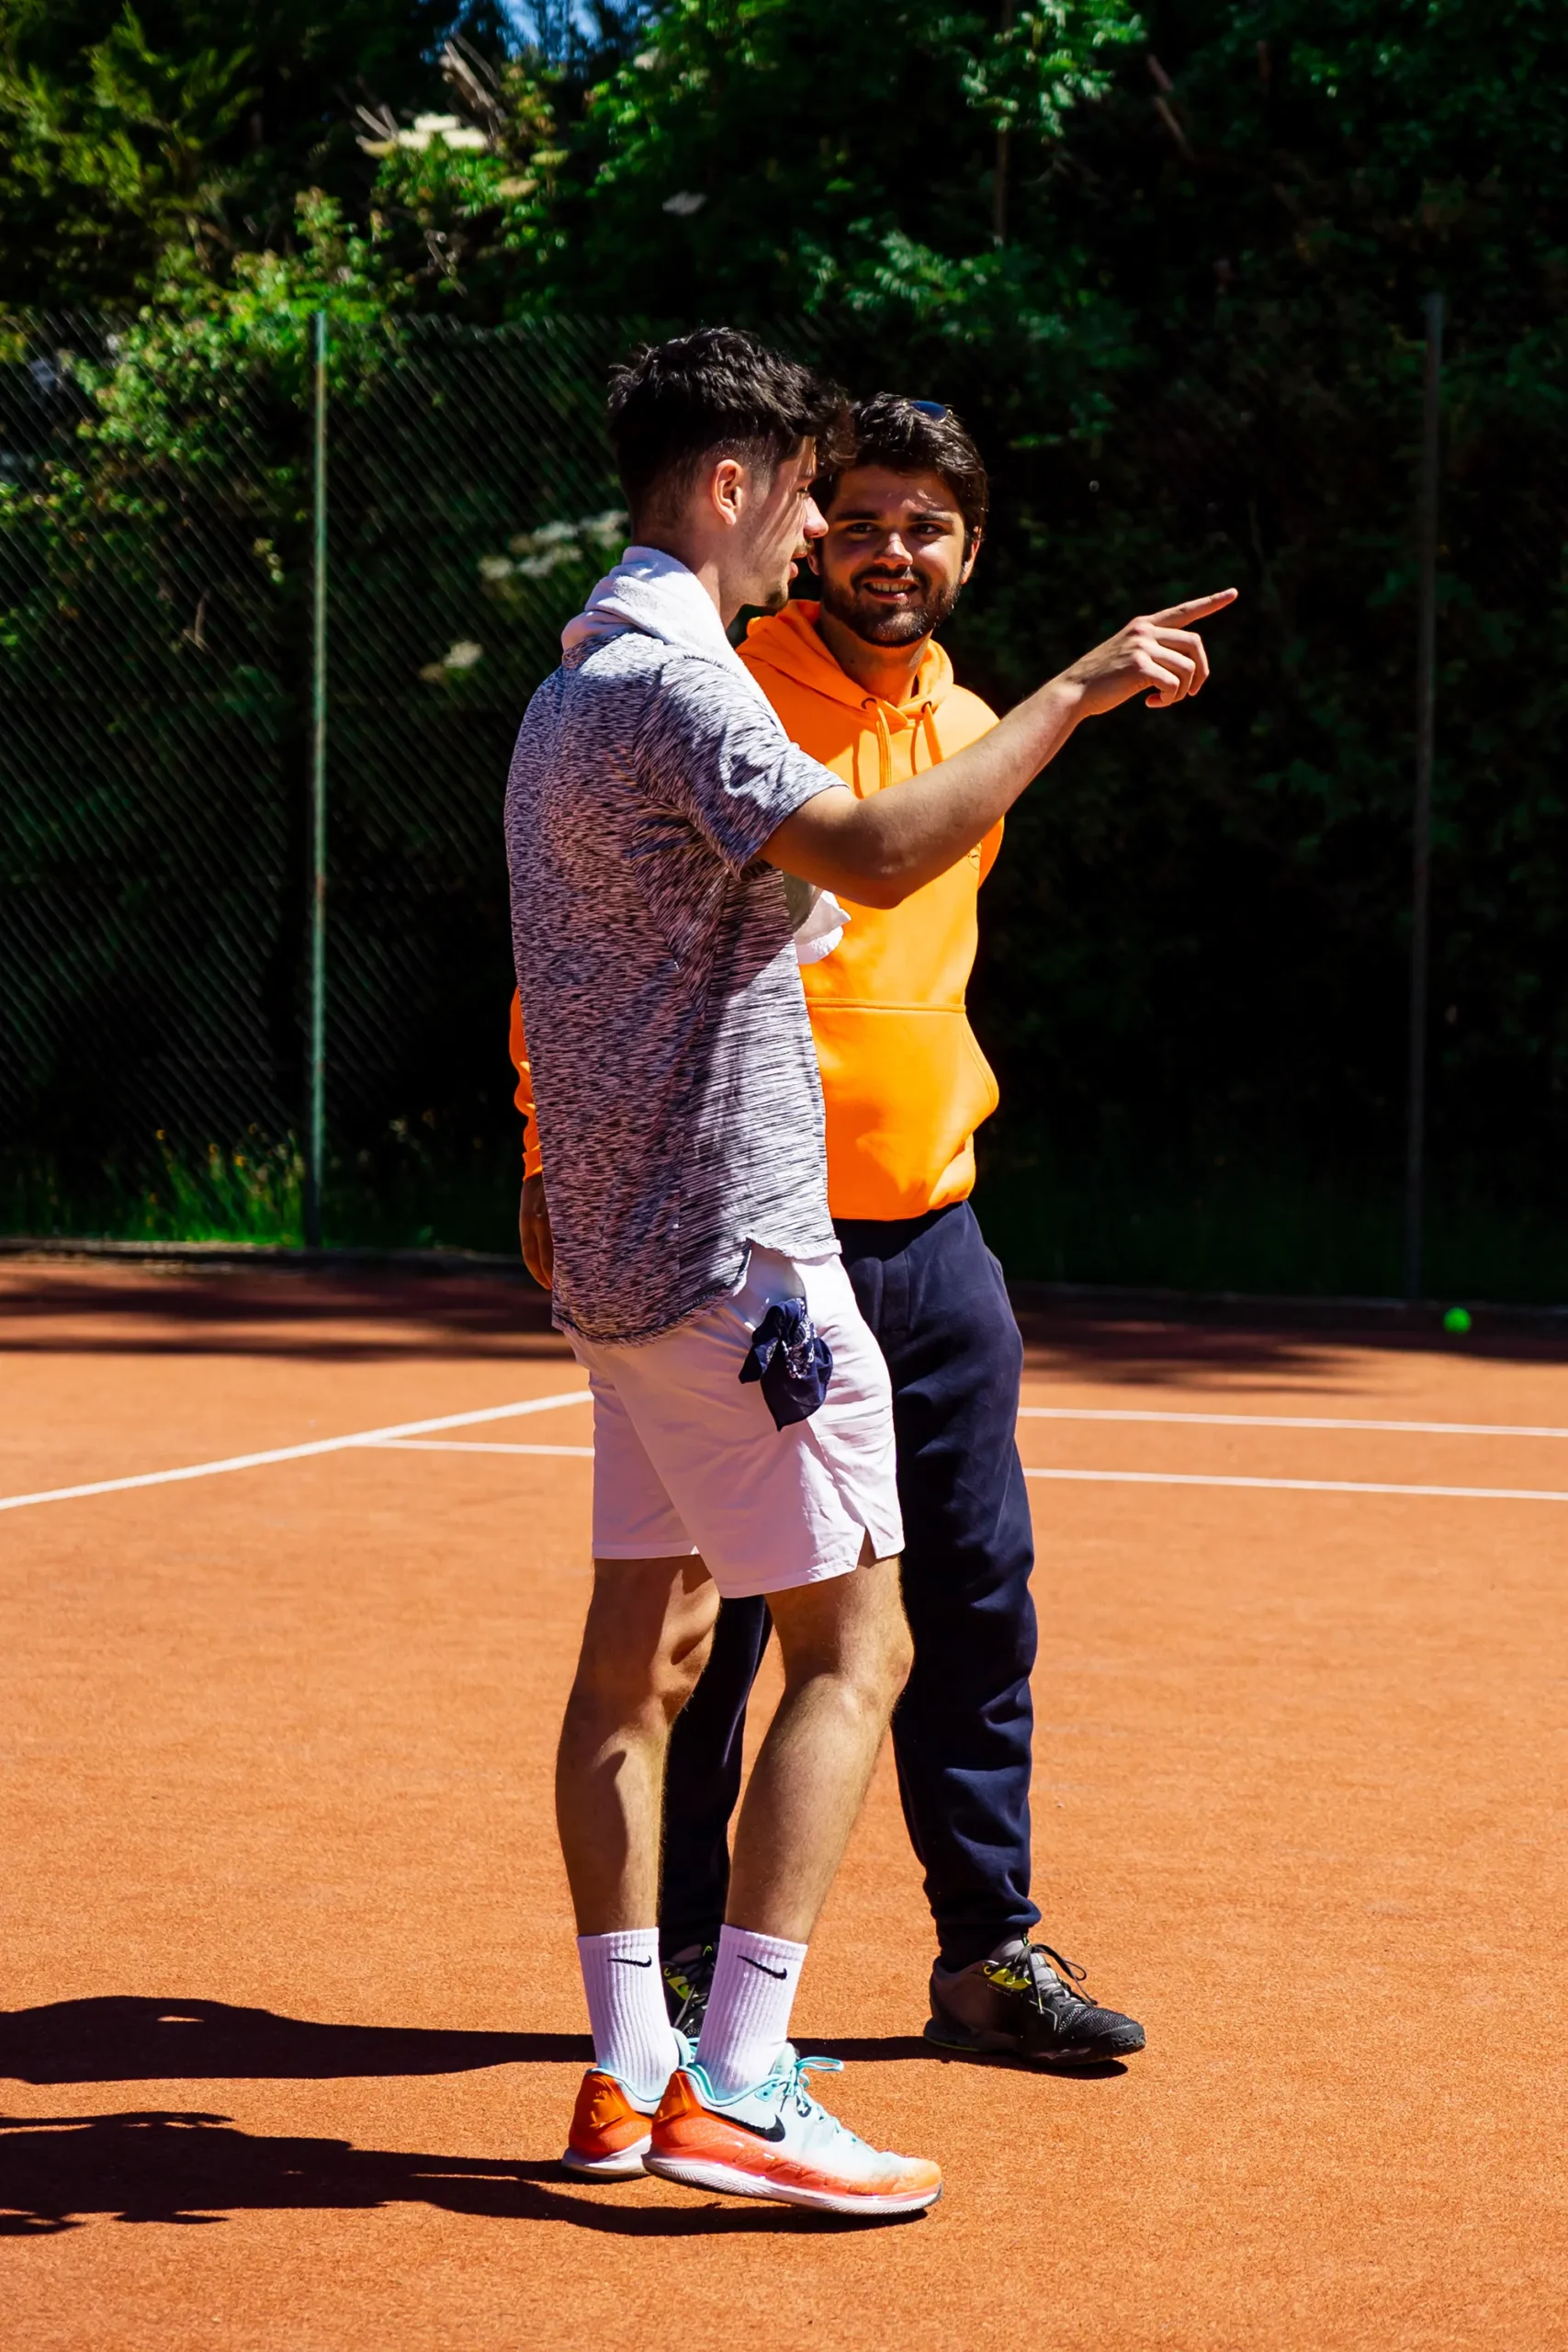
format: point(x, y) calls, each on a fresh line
point(878, 850)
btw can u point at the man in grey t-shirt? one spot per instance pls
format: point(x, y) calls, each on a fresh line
point(675, 1056)
point(654, 808)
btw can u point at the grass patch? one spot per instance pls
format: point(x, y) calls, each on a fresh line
point(405, 1195)
point(1225, 1228)
point(253, 1192)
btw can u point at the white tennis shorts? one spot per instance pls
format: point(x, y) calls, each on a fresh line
point(687, 1460)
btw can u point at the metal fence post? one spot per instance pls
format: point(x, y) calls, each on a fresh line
point(1426, 697)
point(316, 1142)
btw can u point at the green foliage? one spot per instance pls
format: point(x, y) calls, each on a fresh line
point(1168, 266)
point(775, 154)
point(164, 395)
point(129, 132)
point(252, 1193)
point(698, 157)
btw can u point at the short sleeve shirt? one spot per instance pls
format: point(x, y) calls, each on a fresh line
point(679, 1106)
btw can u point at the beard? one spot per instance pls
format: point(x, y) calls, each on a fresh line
point(870, 621)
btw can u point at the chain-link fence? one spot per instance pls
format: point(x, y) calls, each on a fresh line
point(1194, 949)
point(472, 504)
point(147, 785)
point(155, 676)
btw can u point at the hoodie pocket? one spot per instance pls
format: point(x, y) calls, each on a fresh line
point(903, 1090)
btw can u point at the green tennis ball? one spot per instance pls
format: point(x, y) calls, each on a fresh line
point(1457, 1321)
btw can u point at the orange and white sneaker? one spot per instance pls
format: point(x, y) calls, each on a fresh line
point(612, 2125)
point(777, 2141)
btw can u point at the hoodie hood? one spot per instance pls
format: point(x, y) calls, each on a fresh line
point(788, 641)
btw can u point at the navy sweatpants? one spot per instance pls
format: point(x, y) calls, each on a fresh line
point(934, 1296)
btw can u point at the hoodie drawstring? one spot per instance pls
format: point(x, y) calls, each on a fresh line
point(884, 743)
point(925, 722)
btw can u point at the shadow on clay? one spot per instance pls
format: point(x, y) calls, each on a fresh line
point(281, 1312)
point(298, 1310)
point(193, 2167)
point(122, 2039)
point(878, 2049)
point(57, 2172)
point(119, 2038)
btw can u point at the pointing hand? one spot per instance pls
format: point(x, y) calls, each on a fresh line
point(1159, 654)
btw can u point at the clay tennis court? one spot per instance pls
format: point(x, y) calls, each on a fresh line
point(292, 2021)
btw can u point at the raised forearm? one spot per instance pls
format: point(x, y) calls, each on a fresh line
point(880, 849)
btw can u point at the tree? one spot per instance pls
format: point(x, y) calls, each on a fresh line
point(700, 157)
point(131, 131)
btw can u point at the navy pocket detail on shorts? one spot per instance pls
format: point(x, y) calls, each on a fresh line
point(793, 1361)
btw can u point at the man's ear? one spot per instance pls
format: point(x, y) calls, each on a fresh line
point(969, 559)
point(727, 490)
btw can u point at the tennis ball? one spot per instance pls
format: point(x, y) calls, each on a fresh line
point(1457, 1321)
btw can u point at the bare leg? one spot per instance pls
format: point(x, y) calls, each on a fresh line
point(846, 1653)
point(649, 1624)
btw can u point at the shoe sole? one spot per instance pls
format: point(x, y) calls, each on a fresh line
point(695, 2172)
point(951, 2037)
point(626, 2164)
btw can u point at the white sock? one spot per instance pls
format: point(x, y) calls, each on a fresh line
point(632, 2035)
point(747, 2021)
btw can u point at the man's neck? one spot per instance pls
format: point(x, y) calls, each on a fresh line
point(888, 672)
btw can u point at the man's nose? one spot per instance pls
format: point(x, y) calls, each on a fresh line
point(893, 550)
point(813, 526)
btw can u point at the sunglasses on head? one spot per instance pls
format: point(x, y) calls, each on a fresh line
point(937, 409)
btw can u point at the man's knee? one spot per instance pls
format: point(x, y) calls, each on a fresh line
point(643, 1648)
point(629, 1687)
point(683, 1670)
point(898, 1658)
point(853, 1629)
point(895, 1642)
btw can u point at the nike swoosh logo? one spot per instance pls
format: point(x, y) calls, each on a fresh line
point(619, 1959)
point(780, 1973)
point(774, 2131)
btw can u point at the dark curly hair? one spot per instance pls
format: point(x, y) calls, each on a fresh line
point(677, 406)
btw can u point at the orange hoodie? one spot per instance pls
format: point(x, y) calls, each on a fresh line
point(903, 1082)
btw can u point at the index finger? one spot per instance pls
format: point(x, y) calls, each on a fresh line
point(1196, 608)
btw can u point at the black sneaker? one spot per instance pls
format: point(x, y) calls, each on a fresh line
point(688, 1981)
point(1018, 2006)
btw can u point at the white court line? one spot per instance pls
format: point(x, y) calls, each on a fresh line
point(401, 1433)
point(455, 1445)
point(1304, 1486)
point(297, 1452)
point(1105, 1477)
point(1280, 1421)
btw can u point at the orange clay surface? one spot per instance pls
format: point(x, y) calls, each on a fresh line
point(292, 2022)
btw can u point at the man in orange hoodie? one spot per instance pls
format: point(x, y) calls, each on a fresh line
point(860, 683)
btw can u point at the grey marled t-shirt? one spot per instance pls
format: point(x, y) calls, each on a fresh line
point(679, 1106)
